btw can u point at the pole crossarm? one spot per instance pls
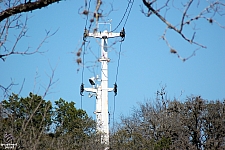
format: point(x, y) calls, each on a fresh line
point(103, 34)
point(93, 90)
point(110, 89)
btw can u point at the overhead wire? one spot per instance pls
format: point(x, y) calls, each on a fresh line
point(123, 31)
point(84, 49)
point(82, 78)
point(128, 5)
point(118, 62)
point(132, 2)
point(88, 13)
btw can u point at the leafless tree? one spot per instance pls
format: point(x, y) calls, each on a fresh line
point(187, 19)
point(13, 20)
point(193, 124)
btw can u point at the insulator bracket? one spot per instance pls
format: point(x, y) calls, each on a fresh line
point(81, 89)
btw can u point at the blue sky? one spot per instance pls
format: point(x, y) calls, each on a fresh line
point(146, 63)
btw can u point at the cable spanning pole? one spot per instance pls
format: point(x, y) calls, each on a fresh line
point(101, 92)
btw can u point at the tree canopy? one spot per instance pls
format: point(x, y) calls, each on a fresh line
point(170, 124)
point(35, 124)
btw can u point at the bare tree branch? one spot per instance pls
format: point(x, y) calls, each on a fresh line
point(214, 8)
point(29, 6)
point(51, 82)
point(22, 34)
point(6, 89)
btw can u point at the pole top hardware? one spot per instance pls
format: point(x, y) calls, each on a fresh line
point(115, 89)
point(104, 59)
point(81, 89)
point(104, 35)
point(122, 34)
point(86, 32)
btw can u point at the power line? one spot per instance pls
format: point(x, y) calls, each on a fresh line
point(128, 5)
point(115, 85)
point(123, 32)
point(129, 13)
point(84, 49)
point(87, 13)
point(82, 78)
point(118, 62)
point(114, 109)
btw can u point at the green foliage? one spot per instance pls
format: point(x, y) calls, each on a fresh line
point(73, 123)
point(25, 118)
point(68, 117)
point(192, 124)
point(163, 143)
point(31, 119)
point(27, 111)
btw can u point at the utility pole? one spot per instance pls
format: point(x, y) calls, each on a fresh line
point(101, 91)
